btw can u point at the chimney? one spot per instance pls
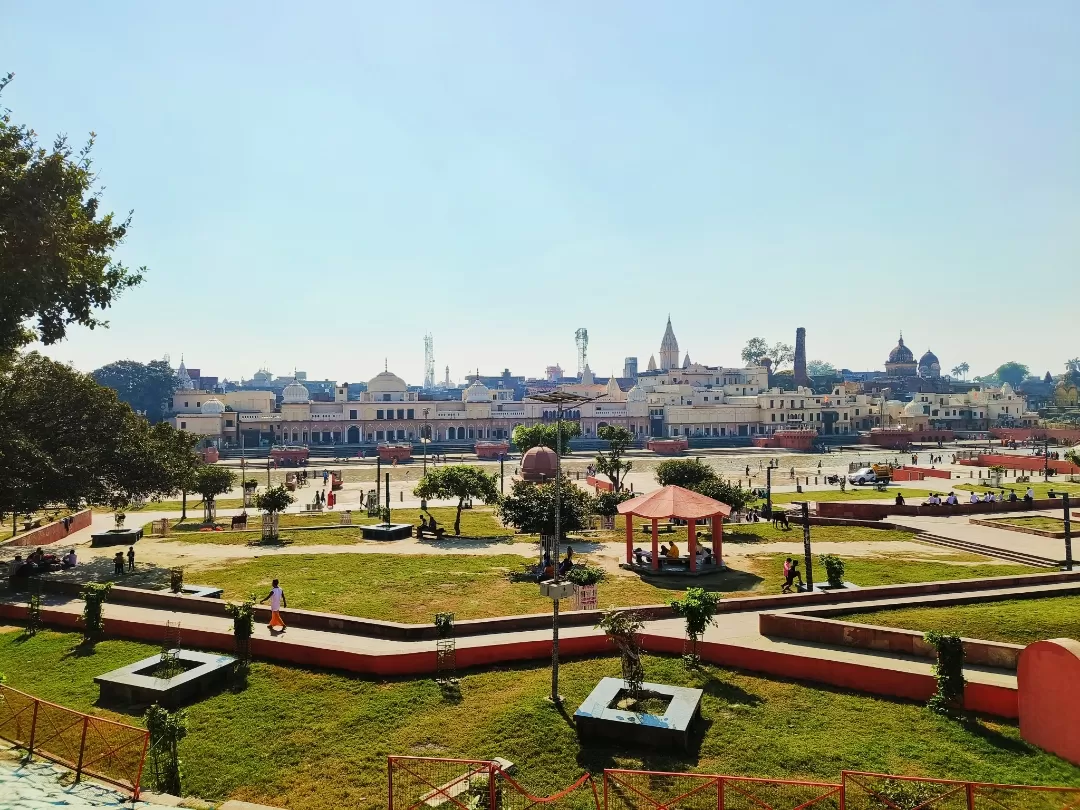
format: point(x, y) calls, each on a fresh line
point(801, 377)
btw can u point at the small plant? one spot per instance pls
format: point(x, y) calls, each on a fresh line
point(176, 579)
point(243, 616)
point(444, 625)
point(622, 627)
point(698, 608)
point(33, 614)
point(906, 795)
point(585, 574)
point(167, 729)
point(949, 671)
point(251, 483)
point(94, 596)
point(834, 569)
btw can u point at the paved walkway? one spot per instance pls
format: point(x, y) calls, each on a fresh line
point(960, 528)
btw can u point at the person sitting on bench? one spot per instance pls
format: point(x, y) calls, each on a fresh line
point(899, 499)
point(974, 498)
point(642, 557)
point(568, 562)
point(672, 552)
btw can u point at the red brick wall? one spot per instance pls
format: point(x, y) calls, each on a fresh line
point(1066, 435)
point(909, 473)
point(1029, 463)
point(52, 532)
point(879, 511)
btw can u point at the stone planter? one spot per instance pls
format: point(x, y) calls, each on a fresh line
point(585, 597)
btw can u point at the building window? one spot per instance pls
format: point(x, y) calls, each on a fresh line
point(385, 397)
point(857, 412)
point(228, 423)
point(185, 404)
point(409, 414)
point(183, 425)
point(401, 434)
point(379, 414)
point(772, 403)
point(773, 415)
point(379, 435)
point(352, 414)
point(400, 413)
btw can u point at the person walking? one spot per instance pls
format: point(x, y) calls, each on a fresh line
point(277, 602)
point(118, 564)
point(131, 558)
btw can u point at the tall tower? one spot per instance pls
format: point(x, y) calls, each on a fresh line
point(429, 362)
point(669, 349)
point(801, 377)
point(581, 338)
point(446, 384)
point(629, 369)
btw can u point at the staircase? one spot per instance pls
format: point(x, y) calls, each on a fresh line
point(989, 551)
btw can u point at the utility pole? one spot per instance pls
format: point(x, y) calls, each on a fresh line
point(768, 490)
point(1068, 533)
point(808, 557)
point(1046, 459)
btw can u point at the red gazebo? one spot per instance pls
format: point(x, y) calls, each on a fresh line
point(676, 502)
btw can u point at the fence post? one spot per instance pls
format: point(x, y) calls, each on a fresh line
point(491, 785)
point(970, 796)
point(720, 794)
point(33, 730)
point(843, 790)
point(390, 783)
point(605, 788)
point(82, 747)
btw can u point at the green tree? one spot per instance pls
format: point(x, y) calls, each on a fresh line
point(530, 508)
point(695, 475)
point(698, 608)
point(611, 463)
point(961, 370)
point(820, 368)
point(607, 503)
point(782, 354)
point(755, 350)
point(274, 500)
point(543, 434)
point(147, 388)
point(212, 480)
point(727, 492)
point(56, 265)
point(1012, 373)
point(459, 481)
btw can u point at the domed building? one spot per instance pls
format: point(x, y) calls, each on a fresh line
point(295, 393)
point(901, 362)
point(929, 367)
point(539, 464)
point(212, 406)
point(477, 392)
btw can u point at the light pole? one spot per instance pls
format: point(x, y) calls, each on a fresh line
point(559, 399)
point(425, 433)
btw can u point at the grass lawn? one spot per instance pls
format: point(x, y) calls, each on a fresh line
point(765, 533)
point(1016, 621)
point(1040, 488)
point(194, 505)
point(852, 493)
point(409, 588)
point(1045, 524)
point(311, 740)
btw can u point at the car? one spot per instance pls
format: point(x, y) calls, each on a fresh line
point(864, 476)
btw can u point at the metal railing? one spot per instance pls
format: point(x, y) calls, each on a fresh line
point(877, 791)
point(110, 751)
point(658, 790)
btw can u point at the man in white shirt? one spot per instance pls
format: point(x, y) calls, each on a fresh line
point(974, 498)
point(951, 500)
point(277, 602)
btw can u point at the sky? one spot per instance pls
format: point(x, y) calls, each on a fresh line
point(316, 185)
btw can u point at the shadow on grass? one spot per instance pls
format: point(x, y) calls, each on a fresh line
point(101, 569)
point(730, 579)
point(977, 728)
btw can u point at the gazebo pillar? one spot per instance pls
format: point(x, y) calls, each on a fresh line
point(629, 538)
point(655, 559)
point(691, 542)
point(718, 539)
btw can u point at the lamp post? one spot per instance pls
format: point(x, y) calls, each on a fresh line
point(560, 399)
point(425, 437)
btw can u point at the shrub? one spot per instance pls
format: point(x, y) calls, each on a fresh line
point(94, 596)
point(166, 730)
point(834, 569)
point(698, 607)
point(607, 503)
point(176, 579)
point(585, 574)
point(949, 671)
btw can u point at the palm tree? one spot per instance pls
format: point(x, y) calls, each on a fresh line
point(961, 370)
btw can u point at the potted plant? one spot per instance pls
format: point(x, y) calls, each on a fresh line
point(834, 570)
point(585, 579)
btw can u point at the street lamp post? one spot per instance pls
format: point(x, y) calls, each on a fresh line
point(559, 399)
point(425, 432)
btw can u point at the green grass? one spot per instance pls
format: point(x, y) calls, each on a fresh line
point(1045, 524)
point(411, 588)
point(765, 533)
point(318, 741)
point(1016, 621)
point(1040, 488)
point(852, 493)
point(194, 506)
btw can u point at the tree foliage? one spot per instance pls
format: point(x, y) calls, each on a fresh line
point(66, 439)
point(1012, 373)
point(607, 503)
point(212, 480)
point(459, 481)
point(611, 463)
point(146, 387)
point(698, 609)
point(543, 434)
point(754, 351)
point(274, 500)
point(949, 672)
point(530, 508)
point(56, 265)
point(696, 475)
point(961, 370)
point(820, 368)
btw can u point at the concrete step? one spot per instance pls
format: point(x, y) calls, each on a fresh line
point(990, 551)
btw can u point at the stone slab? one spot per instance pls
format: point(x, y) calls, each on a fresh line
point(380, 531)
point(116, 537)
point(596, 719)
point(129, 685)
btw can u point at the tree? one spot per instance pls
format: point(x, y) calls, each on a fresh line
point(755, 350)
point(56, 265)
point(1012, 373)
point(961, 370)
point(695, 475)
point(530, 508)
point(611, 463)
point(274, 500)
point(543, 434)
point(698, 608)
point(820, 368)
point(211, 481)
point(66, 439)
point(782, 354)
point(459, 481)
point(607, 503)
point(147, 388)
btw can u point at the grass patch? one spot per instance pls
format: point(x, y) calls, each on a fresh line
point(194, 506)
point(1040, 522)
point(852, 493)
point(1015, 621)
point(1041, 488)
point(188, 532)
point(765, 533)
point(280, 739)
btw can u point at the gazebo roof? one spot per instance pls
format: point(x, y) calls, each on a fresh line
point(676, 502)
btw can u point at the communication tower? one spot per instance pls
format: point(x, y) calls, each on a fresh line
point(581, 338)
point(429, 362)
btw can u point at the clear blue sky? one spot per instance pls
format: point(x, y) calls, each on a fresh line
point(503, 173)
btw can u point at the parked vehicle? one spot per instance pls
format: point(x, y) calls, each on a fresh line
point(866, 475)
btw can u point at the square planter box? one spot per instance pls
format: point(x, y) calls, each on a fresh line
point(205, 672)
point(116, 537)
point(596, 719)
point(380, 531)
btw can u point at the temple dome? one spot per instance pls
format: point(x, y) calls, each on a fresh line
point(539, 464)
point(913, 408)
point(635, 394)
point(901, 354)
point(295, 393)
point(386, 382)
point(213, 406)
point(929, 365)
point(477, 392)
point(1007, 390)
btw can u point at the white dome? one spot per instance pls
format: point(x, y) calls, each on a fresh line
point(635, 394)
point(913, 408)
point(477, 392)
point(294, 393)
point(386, 382)
point(213, 406)
point(1006, 390)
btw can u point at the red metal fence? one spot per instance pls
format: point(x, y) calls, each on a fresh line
point(110, 751)
point(418, 783)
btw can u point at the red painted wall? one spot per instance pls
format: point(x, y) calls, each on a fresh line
point(879, 511)
point(909, 473)
point(1064, 435)
point(1028, 463)
point(599, 483)
point(51, 532)
point(1049, 712)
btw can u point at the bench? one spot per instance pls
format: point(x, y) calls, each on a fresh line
point(661, 528)
point(438, 534)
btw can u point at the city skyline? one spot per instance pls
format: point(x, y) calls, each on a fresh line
point(858, 171)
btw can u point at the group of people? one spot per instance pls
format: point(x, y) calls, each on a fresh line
point(791, 573)
point(38, 562)
point(671, 552)
point(547, 570)
point(118, 561)
point(429, 527)
point(325, 499)
point(988, 497)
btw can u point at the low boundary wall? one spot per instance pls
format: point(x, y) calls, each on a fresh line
point(1034, 464)
point(854, 510)
point(51, 532)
